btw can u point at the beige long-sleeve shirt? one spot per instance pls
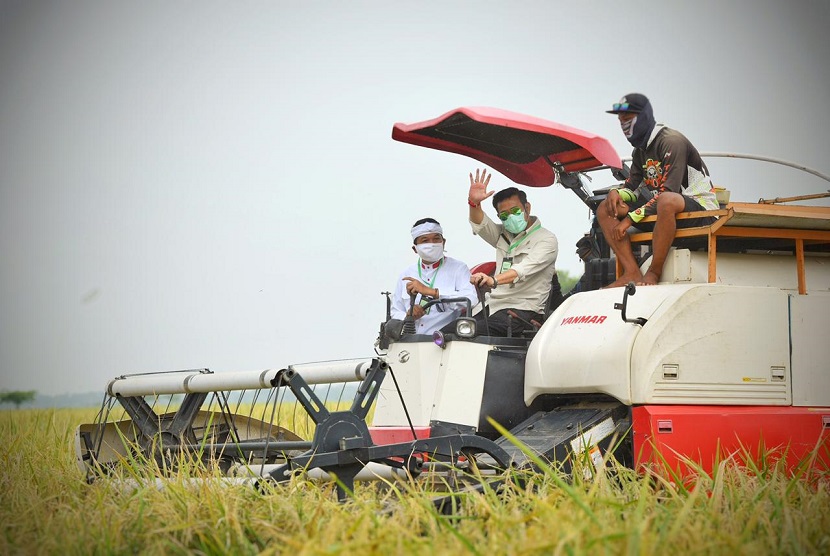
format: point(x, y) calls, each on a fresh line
point(531, 253)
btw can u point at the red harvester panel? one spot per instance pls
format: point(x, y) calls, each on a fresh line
point(709, 434)
point(395, 435)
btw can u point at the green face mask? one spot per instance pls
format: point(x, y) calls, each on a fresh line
point(515, 223)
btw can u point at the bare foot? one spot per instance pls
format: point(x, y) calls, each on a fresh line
point(624, 280)
point(650, 278)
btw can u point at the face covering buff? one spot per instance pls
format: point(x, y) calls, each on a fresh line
point(628, 127)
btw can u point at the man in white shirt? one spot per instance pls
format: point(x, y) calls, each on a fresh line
point(434, 275)
point(525, 259)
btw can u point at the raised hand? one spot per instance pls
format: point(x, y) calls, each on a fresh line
point(478, 187)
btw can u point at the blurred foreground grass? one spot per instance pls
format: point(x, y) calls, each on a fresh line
point(47, 508)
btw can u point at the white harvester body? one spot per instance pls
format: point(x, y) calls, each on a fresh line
point(749, 339)
point(436, 384)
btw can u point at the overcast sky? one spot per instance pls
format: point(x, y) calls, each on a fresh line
point(213, 184)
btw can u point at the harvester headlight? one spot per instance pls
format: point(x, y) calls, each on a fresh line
point(465, 327)
point(438, 338)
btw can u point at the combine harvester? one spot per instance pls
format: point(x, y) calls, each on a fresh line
point(726, 356)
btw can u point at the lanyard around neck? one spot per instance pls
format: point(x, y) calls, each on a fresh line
point(524, 237)
point(431, 282)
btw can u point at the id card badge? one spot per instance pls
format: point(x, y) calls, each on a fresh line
point(423, 302)
point(506, 264)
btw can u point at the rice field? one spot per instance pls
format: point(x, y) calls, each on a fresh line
point(47, 508)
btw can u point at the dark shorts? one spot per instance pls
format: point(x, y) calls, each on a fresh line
point(691, 206)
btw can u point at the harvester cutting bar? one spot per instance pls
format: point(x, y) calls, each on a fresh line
point(203, 380)
point(249, 475)
point(373, 471)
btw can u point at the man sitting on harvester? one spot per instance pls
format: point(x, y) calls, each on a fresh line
point(667, 177)
point(433, 276)
point(525, 260)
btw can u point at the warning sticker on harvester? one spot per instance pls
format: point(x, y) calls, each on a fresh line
point(596, 460)
point(592, 436)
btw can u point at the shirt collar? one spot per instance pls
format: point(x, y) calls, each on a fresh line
point(427, 266)
point(657, 129)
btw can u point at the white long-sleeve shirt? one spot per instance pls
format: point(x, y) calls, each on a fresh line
point(451, 278)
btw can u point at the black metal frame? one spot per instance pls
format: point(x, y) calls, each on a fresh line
point(343, 445)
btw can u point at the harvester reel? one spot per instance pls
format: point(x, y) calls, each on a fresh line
point(163, 447)
point(263, 449)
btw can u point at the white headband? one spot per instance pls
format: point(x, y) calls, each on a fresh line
point(426, 228)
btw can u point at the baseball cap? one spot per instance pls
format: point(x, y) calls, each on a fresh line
point(632, 102)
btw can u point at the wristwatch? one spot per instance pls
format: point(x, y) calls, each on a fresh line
point(495, 282)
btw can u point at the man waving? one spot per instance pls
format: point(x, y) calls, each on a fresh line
point(525, 258)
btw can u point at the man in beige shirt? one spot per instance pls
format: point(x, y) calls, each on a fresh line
point(525, 258)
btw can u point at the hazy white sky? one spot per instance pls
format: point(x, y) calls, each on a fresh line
point(213, 184)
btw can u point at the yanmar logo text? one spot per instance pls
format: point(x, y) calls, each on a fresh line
point(584, 319)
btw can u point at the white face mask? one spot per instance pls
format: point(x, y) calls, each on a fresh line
point(430, 252)
point(628, 126)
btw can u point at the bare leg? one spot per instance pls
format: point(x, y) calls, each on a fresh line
point(669, 204)
point(621, 247)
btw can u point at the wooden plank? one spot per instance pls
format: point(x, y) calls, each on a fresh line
point(796, 198)
point(799, 263)
point(713, 257)
point(773, 233)
point(723, 217)
point(641, 237)
point(717, 224)
point(797, 211)
point(820, 216)
point(814, 236)
point(692, 214)
point(764, 216)
point(733, 220)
